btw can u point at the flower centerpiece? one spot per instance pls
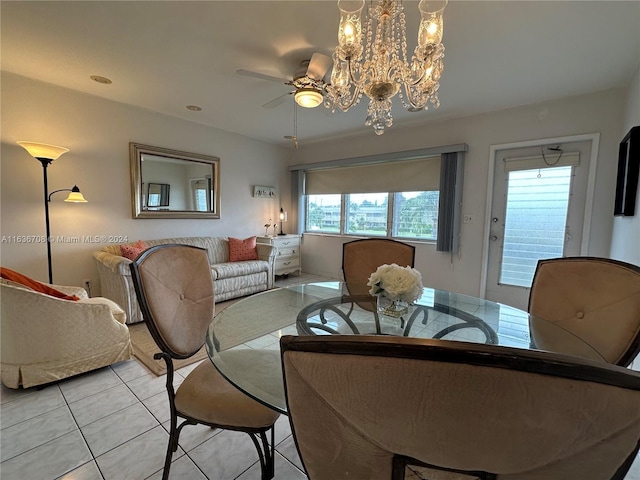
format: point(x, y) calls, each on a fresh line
point(396, 288)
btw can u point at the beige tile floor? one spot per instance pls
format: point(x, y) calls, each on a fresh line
point(112, 424)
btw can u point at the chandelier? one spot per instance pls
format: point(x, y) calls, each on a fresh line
point(381, 68)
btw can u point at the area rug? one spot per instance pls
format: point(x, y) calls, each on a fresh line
point(144, 347)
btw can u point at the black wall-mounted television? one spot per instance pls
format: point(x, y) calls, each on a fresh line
point(628, 173)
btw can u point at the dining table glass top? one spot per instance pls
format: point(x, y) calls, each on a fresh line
point(243, 341)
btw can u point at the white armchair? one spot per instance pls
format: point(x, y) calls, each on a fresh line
point(45, 339)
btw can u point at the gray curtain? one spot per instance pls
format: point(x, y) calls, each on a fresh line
point(297, 199)
point(451, 175)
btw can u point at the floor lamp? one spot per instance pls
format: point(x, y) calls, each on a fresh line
point(46, 154)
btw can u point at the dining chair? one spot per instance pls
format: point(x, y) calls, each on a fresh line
point(360, 258)
point(174, 288)
point(595, 299)
point(371, 406)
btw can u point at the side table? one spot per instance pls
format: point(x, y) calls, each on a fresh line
point(288, 256)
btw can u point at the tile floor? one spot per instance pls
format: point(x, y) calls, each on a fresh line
point(112, 424)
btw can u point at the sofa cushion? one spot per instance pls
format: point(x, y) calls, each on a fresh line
point(238, 269)
point(32, 284)
point(132, 251)
point(241, 250)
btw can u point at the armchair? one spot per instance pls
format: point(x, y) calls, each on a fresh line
point(45, 339)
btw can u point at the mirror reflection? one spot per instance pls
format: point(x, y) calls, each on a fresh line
point(173, 184)
point(158, 195)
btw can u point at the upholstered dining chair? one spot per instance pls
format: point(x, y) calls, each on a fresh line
point(360, 258)
point(174, 288)
point(369, 406)
point(596, 299)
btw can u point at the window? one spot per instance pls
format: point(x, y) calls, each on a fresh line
point(413, 194)
point(366, 213)
point(410, 215)
point(323, 213)
point(416, 215)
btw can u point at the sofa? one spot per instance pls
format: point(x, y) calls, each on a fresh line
point(46, 338)
point(230, 279)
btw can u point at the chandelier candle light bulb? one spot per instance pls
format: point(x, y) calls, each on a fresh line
point(381, 67)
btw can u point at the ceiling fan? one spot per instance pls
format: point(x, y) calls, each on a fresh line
point(308, 81)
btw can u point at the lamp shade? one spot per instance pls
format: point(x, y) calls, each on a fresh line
point(75, 196)
point(308, 97)
point(43, 150)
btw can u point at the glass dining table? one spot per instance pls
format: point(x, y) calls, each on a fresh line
point(243, 341)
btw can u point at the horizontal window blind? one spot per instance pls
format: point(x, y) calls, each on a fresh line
point(397, 176)
point(567, 159)
point(535, 221)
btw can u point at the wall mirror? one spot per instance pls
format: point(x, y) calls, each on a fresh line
point(173, 184)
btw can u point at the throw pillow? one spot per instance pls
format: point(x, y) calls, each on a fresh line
point(240, 250)
point(132, 251)
point(14, 276)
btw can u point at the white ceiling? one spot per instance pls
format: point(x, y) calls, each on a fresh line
point(165, 55)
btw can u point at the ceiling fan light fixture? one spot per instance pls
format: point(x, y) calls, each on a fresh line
point(308, 97)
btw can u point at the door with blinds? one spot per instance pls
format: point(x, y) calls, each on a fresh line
point(538, 207)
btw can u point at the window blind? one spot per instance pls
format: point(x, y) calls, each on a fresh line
point(398, 176)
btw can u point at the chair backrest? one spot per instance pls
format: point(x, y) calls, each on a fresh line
point(174, 287)
point(596, 299)
point(361, 258)
point(358, 403)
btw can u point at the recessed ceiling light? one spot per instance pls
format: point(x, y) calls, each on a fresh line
point(194, 108)
point(99, 79)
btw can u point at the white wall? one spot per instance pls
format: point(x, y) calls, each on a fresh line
point(625, 238)
point(595, 113)
point(98, 133)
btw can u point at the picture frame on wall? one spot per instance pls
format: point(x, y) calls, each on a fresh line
point(261, 191)
point(628, 174)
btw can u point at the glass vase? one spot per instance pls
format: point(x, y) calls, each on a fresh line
point(392, 308)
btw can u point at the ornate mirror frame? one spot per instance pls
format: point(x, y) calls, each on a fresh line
point(192, 169)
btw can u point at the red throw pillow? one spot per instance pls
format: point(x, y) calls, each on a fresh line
point(34, 284)
point(132, 251)
point(240, 250)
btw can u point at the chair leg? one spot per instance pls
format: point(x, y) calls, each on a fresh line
point(173, 434)
point(266, 453)
point(271, 467)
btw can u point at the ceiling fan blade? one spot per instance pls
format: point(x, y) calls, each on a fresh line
point(277, 101)
point(319, 66)
point(262, 76)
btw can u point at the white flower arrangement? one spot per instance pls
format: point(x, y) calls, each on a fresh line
point(396, 283)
